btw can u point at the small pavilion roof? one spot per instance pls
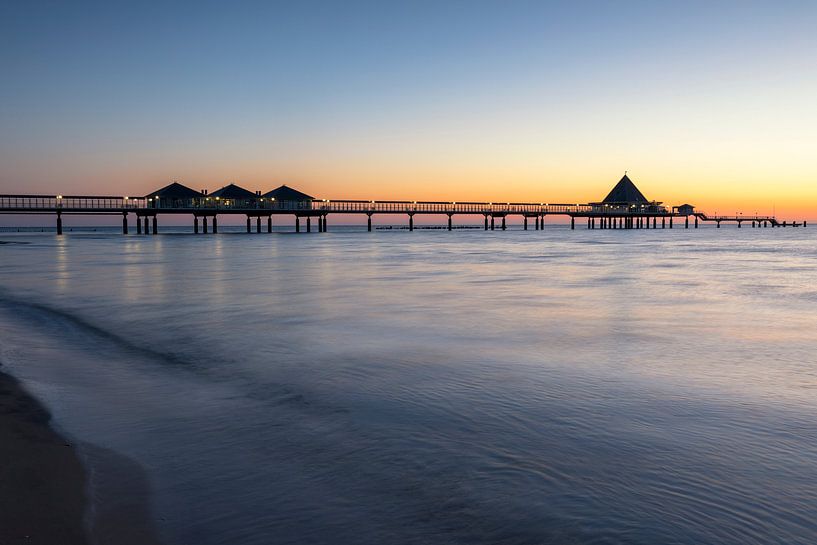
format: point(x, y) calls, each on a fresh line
point(233, 191)
point(175, 191)
point(285, 193)
point(625, 191)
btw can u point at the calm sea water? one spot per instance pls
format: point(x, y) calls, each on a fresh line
point(586, 387)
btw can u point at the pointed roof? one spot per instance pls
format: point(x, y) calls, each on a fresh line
point(175, 191)
point(233, 191)
point(625, 191)
point(285, 193)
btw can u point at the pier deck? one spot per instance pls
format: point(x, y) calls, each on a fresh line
point(146, 211)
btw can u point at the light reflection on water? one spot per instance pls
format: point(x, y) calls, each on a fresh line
point(435, 387)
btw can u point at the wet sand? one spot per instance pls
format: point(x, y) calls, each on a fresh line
point(42, 482)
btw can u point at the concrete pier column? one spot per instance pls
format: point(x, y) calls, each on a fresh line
point(369, 222)
point(124, 223)
point(696, 222)
point(572, 222)
point(195, 224)
point(654, 223)
point(526, 223)
point(257, 224)
point(663, 223)
point(686, 222)
point(215, 224)
point(670, 222)
point(486, 222)
point(411, 222)
point(204, 224)
point(449, 221)
point(249, 228)
point(325, 225)
point(589, 221)
point(138, 225)
point(309, 224)
point(492, 223)
point(147, 225)
point(542, 223)
point(297, 224)
point(503, 223)
point(59, 223)
point(155, 225)
point(269, 223)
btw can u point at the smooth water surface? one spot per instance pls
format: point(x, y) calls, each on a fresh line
point(435, 387)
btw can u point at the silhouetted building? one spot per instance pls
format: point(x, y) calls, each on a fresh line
point(175, 195)
point(625, 197)
point(233, 196)
point(685, 209)
point(286, 197)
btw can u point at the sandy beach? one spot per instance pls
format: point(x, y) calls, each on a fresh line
point(42, 482)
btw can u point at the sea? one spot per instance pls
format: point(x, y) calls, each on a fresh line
point(430, 387)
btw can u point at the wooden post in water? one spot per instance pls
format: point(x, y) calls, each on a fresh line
point(411, 222)
point(503, 223)
point(204, 224)
point(257, 224)
point(269, 223)
point(155, 224)
point(369, 222)
point(572, 222)
point(195, 224)
point(297, 224)
point(486, 222)
point(215, 223)
point(249, 229)
point(138, 225)
point(309, 224)
point(124, 223)
point(686, 222)
point(492, 222)
point(59, 223)
point(449, 221)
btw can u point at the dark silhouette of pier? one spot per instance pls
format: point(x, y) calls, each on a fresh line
point(625, 207)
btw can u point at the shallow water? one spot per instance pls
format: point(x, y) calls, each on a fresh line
point(468, 387)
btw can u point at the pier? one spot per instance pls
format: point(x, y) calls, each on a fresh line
point(624, 208)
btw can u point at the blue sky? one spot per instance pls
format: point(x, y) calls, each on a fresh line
point(362, 98)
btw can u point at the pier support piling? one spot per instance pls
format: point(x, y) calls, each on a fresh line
point(368, 222)
point(696, 222)
point(204, 224)
point(59, 223)
point(138, 225)
point(257, 224)
point(297, 224)
point(215, 224)
point(269, 223)
point(124, 223)
point(196, 225)
point(503, 223)
point(249, 228)
point(572, 222)
point(526, 223)
point(686, 222)
point(449, 221)
point(411, 222)
point(155, 225)
point(492, 223)
point(309, 224)
point(486, 222)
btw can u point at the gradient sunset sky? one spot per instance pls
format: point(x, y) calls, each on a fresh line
point(713, 103)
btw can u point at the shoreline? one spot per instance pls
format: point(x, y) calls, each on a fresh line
point(47, 483)
point(42, 480)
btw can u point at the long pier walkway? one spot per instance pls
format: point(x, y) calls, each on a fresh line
point(206, 211)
